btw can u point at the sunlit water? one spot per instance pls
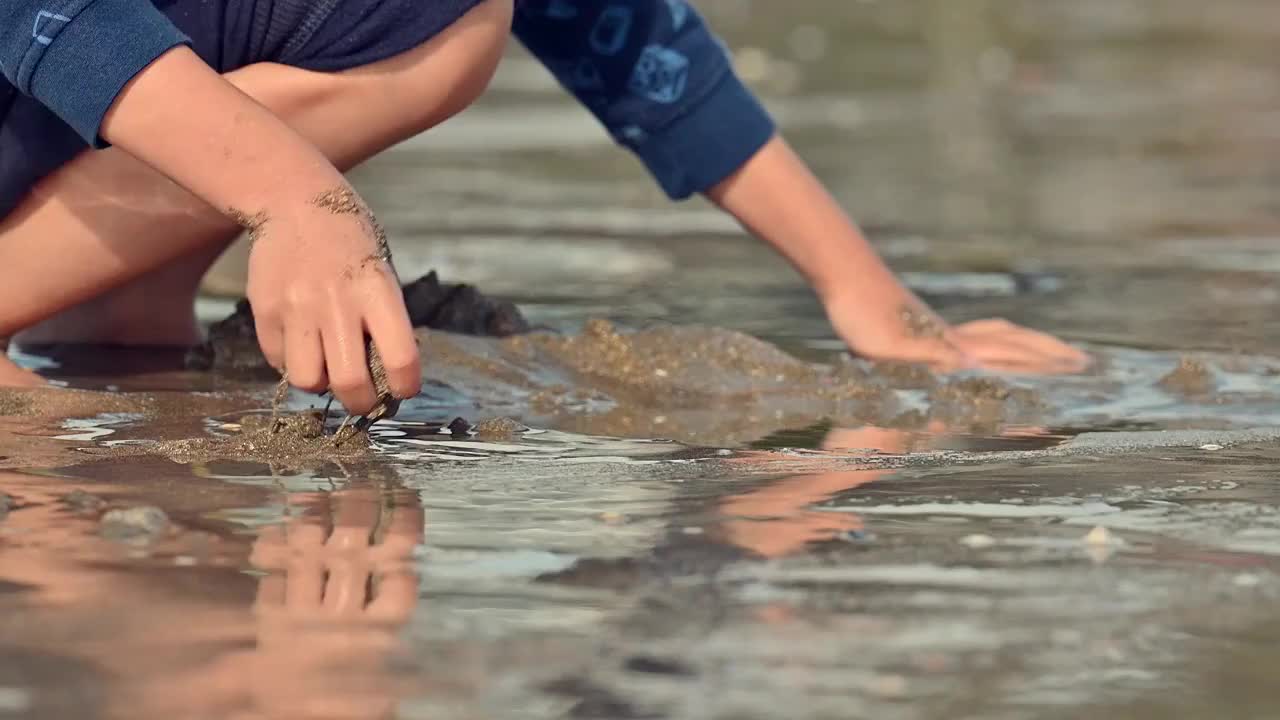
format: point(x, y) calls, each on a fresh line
point(1097, 169)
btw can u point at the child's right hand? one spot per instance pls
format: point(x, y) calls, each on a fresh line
point(318, 282)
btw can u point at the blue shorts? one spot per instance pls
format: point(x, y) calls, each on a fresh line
point(323, 35)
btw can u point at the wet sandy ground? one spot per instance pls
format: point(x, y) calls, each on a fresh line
point(692, 523)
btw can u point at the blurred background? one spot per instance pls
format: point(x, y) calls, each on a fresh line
point(1098, 168)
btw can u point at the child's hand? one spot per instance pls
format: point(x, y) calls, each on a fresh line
point(909, 331)
point(776, 197)
point(319, 279)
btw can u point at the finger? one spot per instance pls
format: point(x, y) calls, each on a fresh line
point(1041, 341)
point(270, 330)
point(306, 531)
point(394, 597)
point(355, 516)
point(1047, 350)
point(346, 590)
point(404, 533)
point(388, 323)
point(1011, 357)
point(939, 354)
point(304, 357)
point(304, 582)
point(347, 364)
point(271, 592)
point(270, 551)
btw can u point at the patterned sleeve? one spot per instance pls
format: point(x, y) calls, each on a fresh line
point(656, 78)
point(75, 56)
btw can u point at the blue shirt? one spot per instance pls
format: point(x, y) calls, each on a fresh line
point(649, 70)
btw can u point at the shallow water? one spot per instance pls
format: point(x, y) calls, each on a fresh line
point(1099, 169)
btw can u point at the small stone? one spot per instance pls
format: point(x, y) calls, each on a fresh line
point(692, 530)
point(459, 427)
point(613, 518)
point(977, 541)
point(184, 561)
point(14, 700)
point(81, 501)
point(6, 504)
point(1211, 446)
point(136, 522)
point(652, 665)
point(888, 686)
point(1192, 378)
point(1246, 580)
point(1099, 536)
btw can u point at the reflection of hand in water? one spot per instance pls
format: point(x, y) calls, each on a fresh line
point(775, 520)
point(339, 585)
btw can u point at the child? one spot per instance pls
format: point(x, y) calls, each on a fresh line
point(212, 116)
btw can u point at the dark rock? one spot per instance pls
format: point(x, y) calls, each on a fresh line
point(460, 309)
point(232, 344)
point(657, 666)
point(459, 427)
point(6, 504)
point(595, 702)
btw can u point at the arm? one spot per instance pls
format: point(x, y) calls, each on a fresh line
point(116, 71)
point(776, 197)
point(698, 129)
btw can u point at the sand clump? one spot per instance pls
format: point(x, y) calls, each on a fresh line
point(984, 404)
point(500, 428)
point(1192, 378)
point(289, 438)
point(675, 365)
point(54, 402)
point(904, 375)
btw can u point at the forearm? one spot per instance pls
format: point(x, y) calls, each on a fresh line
point(777, 198)
point(187, 122)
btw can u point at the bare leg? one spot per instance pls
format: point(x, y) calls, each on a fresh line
point(106, 221)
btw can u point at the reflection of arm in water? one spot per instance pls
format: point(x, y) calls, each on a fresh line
point(119, 72)
point(664, 87)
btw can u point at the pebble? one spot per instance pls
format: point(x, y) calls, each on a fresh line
point(1246, 580)
point(1211, 446)
point(81, 501)
point(977, 541)
point(1099, 536)
point(6, 504)
point(134, 522)
point(613, 518)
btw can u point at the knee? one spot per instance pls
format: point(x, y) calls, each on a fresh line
point(445, 75)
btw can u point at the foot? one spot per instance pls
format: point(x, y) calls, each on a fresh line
point(156, 309)
point(13, 376)
point(113, 321)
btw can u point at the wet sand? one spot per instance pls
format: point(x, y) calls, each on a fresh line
point(646, 482)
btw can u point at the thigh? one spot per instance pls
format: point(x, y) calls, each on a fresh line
point(324, 35)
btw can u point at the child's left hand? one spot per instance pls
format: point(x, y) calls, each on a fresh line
point(777, 197)
point(909, 331)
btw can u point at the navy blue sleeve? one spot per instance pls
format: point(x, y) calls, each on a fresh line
point(658, 80)
point(75, 56)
